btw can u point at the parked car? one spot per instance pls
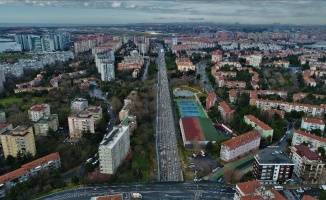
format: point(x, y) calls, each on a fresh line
point(307, 188)
point(300, 190)
point(223, 190)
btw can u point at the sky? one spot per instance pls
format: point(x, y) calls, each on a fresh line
point(305, 12)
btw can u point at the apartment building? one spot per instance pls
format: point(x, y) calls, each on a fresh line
point(131, 122)
point(310, 124)
point(78, 105)
point(97, 113)
point(265, 104)
point(259, 126)
point(272, 166)
point(210, 101)
point(185, 64)
point(113, 149)
point(38, 112)
point(313, 140)
point(256, 191)
point(124, 112)
point(239, 146)
point(49, 162)
point(226, 112)
point(216, 56)
point(5, 127)
point(20, 139)
point(281, 63)
point(300, 95)
point(42, 126)
point(309, 164)
point(254, 60)
point(79, 123)
point(281, 113)
point(107, 70)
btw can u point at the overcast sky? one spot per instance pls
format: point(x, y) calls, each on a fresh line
point(159, 11)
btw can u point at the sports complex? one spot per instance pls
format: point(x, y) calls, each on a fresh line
point(194, 124)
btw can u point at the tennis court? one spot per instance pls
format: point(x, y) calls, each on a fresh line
point(189, 108)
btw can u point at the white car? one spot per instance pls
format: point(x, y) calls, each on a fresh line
point(300, 190)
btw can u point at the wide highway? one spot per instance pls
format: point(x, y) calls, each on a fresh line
point(169, 168)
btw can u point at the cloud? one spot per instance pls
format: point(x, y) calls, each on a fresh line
point(208, 10)
point(116, 4)
point(196, 19)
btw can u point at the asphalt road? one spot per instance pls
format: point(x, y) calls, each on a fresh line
point(145, 74)
point(166, 191)
point(169, 167)
point(183, 191)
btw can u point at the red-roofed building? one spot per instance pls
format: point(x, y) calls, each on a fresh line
point(210, 101)
point(281, 113)
point(309, 164)
point(310, 124)
point(254, 190)
point(5, 127)
point(109, 197)
point(239, 146)
point(38, 112)
point(259, 126)
point(191, 131)
point(216, 56)
point(226, 112)
point(308, 197)
point(49, 162)
point(314, 141)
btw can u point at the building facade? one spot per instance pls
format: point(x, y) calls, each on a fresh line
point(226, 112)
point(309, 164)
point(310, 124)
point(79, 123)
point(42, 127)
point(239, 146)
point(256, 191)
point(20, 139)
point(272, 166)
point(96, 111)
point(314, 141)
point(49, 162)
point(78, 105)
point(259, 126)
point(38, 112)
point(113, 149)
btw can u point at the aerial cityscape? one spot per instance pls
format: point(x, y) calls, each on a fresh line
point(162, 100)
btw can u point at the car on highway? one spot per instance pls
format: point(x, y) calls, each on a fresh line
point(223, 190)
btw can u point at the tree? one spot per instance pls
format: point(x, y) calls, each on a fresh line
point(322, 195)
point(75, 180)
point(249, 176)
point(322, 151)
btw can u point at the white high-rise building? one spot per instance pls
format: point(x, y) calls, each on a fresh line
point(107, 70)
point(114, 149)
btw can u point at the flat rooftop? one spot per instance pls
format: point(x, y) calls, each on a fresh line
point(273, 155)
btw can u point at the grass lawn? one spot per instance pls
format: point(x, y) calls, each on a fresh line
point(10, 100)
point(194, 89)
point(14, 57)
